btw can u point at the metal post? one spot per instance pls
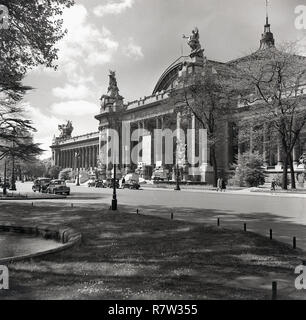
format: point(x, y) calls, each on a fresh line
point(274, 290)
point(177, 188)
point(245, 227)
point(294, 242)
point(4, 183)
point(77, 157)
point(114, 201)
point(271, 234)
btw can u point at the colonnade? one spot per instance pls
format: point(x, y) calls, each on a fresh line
point(78, 157)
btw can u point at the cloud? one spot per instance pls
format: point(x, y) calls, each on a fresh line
point(113, 7)
point(71, 92)
point(46, 126)
point(133, 50)
point(84, 44)
point(75, 108)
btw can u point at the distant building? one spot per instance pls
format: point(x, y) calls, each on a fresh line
point(153, 112)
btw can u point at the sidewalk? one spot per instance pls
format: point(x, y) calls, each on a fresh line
point(246, 191)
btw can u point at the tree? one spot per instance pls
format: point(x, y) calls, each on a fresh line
point(34, 28)
point(249, 171)
point(16, 138)
point(271, 85)
point(65, 174)
point(53, 172)
point(210, 97)
point(30, 170)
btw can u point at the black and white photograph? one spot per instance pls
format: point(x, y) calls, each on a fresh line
point(153, 153)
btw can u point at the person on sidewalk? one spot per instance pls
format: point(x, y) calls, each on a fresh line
point(273, 185)
point(223, 185)
point(219, 185)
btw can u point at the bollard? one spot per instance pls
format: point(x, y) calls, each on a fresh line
point(274, 290)
point(32, 204)
point(245, 227)
point(137, 211)
point(172, 216)
point(271, 234)
point(218, 222)
point(71, 205)
point(294, 242)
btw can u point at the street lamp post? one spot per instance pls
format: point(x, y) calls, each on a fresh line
point(77, 157)
point(177, 188)
point(4, 182)
point(114, 201)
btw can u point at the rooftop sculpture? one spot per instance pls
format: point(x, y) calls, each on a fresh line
point(194, 43)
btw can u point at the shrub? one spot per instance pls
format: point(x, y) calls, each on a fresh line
point(249, 171)
point(65, 174)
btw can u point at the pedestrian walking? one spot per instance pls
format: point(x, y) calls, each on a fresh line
point(273, 185)
point(219, 185)
point(223, 185)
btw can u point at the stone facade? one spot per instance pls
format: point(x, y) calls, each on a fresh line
point(154, 112)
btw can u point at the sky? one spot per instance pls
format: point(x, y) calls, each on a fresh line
point(139, 39)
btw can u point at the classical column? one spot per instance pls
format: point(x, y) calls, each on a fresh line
point(95, 156)
point(139, 143)
point(178, 139)
point(72, 159)
point(82, 158)
point(59, 158)
point(193, 145)
point(90, 157)
point(87, 158)
point(126, 147)
point(55, 157)
point(158, 145)
point(68, 159)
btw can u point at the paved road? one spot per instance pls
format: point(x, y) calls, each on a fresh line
point(285, 215)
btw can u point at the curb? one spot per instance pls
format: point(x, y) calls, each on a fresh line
point(67, 236)
point(32, 198)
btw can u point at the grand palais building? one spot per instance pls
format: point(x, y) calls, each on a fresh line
point(155, 112)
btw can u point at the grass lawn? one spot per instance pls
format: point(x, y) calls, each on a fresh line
point(129, 256)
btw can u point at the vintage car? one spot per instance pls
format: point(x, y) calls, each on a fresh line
point(131, 184)
point(58, 187)
point(109, 183)
point(91, 183)
point(99, 184)
point(41, 184)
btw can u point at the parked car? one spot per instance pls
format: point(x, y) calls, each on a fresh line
point(109, 183)
point(158, 179)
point(99, 184)
point(131, 184)
point(41, 184)
point(91, 183)
point(58, 187)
